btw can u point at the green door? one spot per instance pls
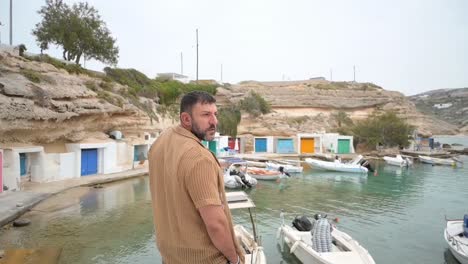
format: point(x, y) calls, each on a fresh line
point(212, 146)
point(343, 146)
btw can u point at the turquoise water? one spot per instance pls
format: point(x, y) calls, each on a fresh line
point(397, 215)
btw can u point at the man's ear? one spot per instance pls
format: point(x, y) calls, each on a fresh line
point(186, 119)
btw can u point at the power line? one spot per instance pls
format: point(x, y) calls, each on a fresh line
point(197, 55)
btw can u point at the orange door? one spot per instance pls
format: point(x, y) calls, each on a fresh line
point(307, 145)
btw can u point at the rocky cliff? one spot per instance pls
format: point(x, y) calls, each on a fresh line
point(450, 105)
point(40, 104)
point(307, 106)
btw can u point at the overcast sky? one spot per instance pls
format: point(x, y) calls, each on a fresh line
point(407, 46)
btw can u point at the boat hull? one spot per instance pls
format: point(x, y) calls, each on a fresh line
point(397, 161)
point(265, 175)
point(458, 244)
point(300, 245)
point(335, 166)
point(286, 167)
point(256, 255)
point(437, 161)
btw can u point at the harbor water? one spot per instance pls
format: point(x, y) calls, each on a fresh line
point(398, 215)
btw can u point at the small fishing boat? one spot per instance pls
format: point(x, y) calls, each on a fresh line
point(286, 167)
point(456, 236)
point(263, 174)
point(253, 250)
point(309, 246)
point(358, 165)
point(438, 161)
point(398, 161)
point(236, 176)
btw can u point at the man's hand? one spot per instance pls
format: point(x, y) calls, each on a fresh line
point(218, 229)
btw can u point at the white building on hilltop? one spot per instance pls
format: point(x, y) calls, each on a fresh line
point(174, 76)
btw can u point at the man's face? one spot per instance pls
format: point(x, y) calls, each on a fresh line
point(204, 121)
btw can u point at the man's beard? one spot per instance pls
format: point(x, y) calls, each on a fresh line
point(200, 134)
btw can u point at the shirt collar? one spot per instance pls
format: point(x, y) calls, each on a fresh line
point(186, 133)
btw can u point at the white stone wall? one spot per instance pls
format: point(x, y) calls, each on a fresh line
point(11, 169)
point(67, 165)
point(125, 154)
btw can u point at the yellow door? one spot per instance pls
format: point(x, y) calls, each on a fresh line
point(307, 145)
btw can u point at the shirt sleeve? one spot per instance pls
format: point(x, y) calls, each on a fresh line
point(201, 182)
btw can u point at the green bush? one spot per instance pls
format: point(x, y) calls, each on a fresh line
point(254, 104)
point(129, 77)
point(91, 85)
point(387, 130)
point(228, 120)
point(332, 86)
point(69, 67)
point(106, 86)
point(33, 76)
point(299, 120)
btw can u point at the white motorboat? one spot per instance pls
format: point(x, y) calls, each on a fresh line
point(344, 249)
point(286, 167)
point(253, 250)
point(398, 161)
point(264, 174)
point(356, 166)
point(236, 176)
point(437, 161)
point(456, 236)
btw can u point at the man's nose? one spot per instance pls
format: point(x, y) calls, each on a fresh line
point(214, 120)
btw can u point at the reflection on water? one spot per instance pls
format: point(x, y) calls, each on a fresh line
point(398, 215)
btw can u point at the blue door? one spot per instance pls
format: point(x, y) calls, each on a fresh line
point(285, 146)
point(260, 145)
point(89, 161)
point(140, 153)
point(23, 164)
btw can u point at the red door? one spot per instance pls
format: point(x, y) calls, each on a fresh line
point(232, 143)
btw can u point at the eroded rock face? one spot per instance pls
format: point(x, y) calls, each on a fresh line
point(63, 106)
point(307, 107)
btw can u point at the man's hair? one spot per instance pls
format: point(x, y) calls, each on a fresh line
point(194, 97)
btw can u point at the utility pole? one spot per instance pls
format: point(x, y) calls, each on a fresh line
point(354, 71)
point(221, 72)
point(11, 22)
point(331, 75)
point(197, 55)
point(181, 64)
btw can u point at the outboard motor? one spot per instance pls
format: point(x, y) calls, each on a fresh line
point(367, 165)
point(244, 180)
point(301, 223)
point(281, 169)
point(465, 225)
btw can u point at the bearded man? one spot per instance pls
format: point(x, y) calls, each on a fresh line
point(192, 220)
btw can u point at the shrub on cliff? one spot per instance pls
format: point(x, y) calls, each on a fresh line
point(387, 130)
point(254, 104)
point(167, 90)
point(228, 120)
